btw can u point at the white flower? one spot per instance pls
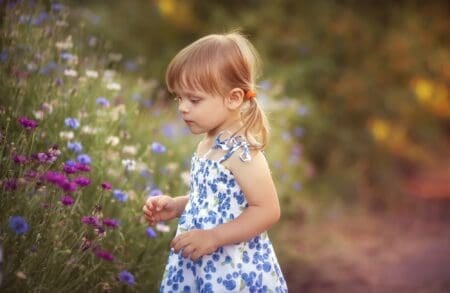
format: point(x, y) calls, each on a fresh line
point(130, 165)
point(70, 72)
point(91, 73)
point(89, 130)
point(185, 177)
point(130, 150)
point(112, 140)
point(39, 114)
point(162, 227)
point(66, 44)
point(115, 57)
point(108, 75)
point(66, 135)
point(114, 86)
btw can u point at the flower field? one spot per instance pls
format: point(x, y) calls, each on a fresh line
point(84, 140)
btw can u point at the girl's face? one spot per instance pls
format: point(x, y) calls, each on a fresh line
point(202, 112)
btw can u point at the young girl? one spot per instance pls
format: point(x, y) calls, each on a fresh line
point(221, 244)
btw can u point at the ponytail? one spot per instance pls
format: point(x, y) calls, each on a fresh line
point(256, 125)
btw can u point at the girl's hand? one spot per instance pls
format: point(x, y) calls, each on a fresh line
point(160, 208)
point(195, 243)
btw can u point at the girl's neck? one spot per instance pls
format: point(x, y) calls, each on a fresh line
point(227, 129)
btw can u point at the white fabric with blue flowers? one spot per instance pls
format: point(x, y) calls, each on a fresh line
point(216, 198)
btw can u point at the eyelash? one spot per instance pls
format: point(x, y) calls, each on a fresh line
point(193, 101)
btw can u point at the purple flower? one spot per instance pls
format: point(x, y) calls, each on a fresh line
point(75, 146)
point(126, 277)
point(90, 220)
point(30, 174)
point(20, 159)
point(54, 177)
point(72, 123)
point(120, 195)
point(41, 157)
point(106, 185)
point(158, 148)
point(104, 255)
point(10, 184)
point(82, 167)
point(82, 181)
point(69, 169)
point(18, 225)
point(68, 186)
point(151, 233)
point(84, 159)
point(111, 223)
point(102, 101)
point(67, 200)
point(27, 123)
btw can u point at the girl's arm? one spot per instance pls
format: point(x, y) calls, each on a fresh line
point(180, 202)
point(262, 212)
point(263, 209)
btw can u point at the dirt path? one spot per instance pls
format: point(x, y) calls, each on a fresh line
point(400, 253)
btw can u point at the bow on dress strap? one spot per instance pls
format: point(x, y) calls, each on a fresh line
point(231, 144)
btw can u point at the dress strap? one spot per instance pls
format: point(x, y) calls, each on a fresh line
point(231, 145)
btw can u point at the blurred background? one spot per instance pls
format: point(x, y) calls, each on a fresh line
point(358, 95)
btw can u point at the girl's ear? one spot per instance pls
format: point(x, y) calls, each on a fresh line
point(235, 98)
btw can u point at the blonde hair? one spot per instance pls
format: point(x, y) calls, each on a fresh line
point(216, 64)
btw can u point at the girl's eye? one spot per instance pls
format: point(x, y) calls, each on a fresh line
point(177, 99)
point(195, 101)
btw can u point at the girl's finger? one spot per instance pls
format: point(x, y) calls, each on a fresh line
point(147, 211)
point(160, 204)
point(180, 242)
point(196, 255)
point(188, 250)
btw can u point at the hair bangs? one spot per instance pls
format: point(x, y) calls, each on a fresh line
point(196, 68)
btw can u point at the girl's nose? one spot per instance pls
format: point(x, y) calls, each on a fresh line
point(183, 106)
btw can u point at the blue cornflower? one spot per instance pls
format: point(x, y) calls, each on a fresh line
point(84, 159)
point(126, 277)
point(151, 233)
point(72, 123)
point(299, 131)
point(38, 20)
point(131, 65)
point(302, 111)
point(102, 101)
point(51, 66)
point(265, 85)
point(155, 192)
point(67, 56)
point(136, 96)
point(75, 146)
point(168, 130)
point(57, 7)
point(18, 225)
point(3, 56)
point(158, 148)
point(120, 195)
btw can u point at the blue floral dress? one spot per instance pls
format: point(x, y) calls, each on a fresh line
point(215, 198)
